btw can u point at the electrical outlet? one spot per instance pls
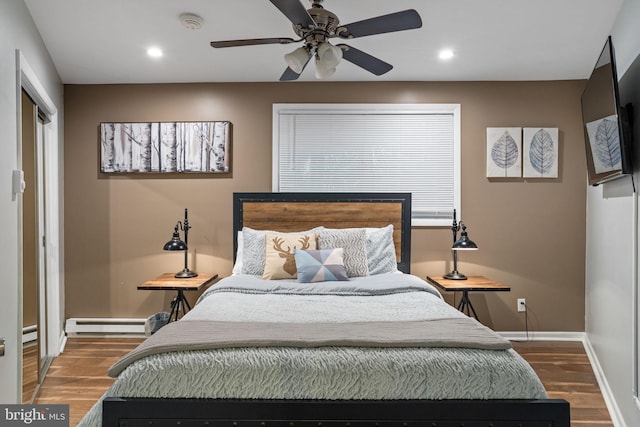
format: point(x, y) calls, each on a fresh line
point(522, 304)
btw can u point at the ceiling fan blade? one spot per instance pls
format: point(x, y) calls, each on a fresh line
point(364, 60)
point(289, 75)
point(398, 21)
point(295, 12)
point(252, 42)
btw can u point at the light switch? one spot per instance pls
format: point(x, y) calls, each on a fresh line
point(18, 183)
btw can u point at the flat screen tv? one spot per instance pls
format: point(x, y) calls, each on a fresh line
point(607, 130)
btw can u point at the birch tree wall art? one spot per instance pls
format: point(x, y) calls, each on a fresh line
point(540, 152)
point(159, 147)
point(504, 152)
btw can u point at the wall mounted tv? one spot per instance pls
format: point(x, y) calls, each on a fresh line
point(607, 131)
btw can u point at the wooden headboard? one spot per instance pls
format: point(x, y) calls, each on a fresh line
point(302, 211)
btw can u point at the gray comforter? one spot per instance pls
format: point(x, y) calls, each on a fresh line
point(326, 372)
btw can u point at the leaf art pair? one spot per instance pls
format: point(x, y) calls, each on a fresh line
point(522, 152)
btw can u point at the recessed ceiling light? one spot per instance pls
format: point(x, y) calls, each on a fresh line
point(154, 52)
point(446, 54)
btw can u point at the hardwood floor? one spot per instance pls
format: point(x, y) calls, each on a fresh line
point(29, 371)
point(564, 369)
point(78, 376)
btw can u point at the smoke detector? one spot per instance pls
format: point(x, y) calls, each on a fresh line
point(191, 21)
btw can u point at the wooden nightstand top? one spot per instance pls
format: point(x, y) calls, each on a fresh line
point(473, 283)
point(169, 282)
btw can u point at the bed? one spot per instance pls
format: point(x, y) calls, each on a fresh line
point(380, 348)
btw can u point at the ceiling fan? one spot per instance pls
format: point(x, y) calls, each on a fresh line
point(316, 26)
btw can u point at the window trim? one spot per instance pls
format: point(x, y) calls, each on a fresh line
point(321, 108)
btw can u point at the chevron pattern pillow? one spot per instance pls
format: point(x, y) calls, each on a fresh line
point(322, 265)
point(353, 241)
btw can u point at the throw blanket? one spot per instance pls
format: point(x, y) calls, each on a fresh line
point(201, 335)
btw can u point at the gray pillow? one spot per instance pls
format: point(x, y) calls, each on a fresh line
point(381, 251)
point(353, 241)
point(253, 249)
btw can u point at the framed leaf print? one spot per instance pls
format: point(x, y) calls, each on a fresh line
point(540, 152)
point(165, 147)
point(604, 140)
point(504, 152)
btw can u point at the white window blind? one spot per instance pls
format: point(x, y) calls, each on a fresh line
point(371, 148)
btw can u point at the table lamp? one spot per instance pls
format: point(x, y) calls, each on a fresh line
point(175, 244)
point(462, 244)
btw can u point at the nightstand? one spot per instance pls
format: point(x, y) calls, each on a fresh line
point(472, 284)
point(168, 282)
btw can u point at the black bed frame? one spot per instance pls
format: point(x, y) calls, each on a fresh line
point(403, 199)
point(336, 413)
point(133, 412)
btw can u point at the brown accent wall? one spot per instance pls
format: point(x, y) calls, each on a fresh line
point(530, 232)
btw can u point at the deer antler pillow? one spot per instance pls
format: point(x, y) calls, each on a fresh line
point(280, 262)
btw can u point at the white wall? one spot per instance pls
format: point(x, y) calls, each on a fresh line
point(611, 258)
point(17, 31)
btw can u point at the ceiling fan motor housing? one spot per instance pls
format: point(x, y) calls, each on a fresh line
point(326, 24)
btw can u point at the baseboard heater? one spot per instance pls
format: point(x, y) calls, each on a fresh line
point(29, 334)
point(78, 326)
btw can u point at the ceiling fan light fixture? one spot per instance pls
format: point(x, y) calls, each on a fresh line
point(323, 72)
point(329, 55)
point(297, 59)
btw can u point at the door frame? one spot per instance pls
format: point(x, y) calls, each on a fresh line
point(27, 80)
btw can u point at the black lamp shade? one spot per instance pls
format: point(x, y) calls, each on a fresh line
point(175, 244)
point(464, 244)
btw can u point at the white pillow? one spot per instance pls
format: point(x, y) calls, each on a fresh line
point(381, 250)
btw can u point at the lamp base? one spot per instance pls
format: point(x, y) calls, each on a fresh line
point(185, 274)
point(454, 275)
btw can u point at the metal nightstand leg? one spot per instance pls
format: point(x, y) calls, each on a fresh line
point(179, 302)
point(465, 302)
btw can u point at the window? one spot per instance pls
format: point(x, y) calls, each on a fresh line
point(396, 148)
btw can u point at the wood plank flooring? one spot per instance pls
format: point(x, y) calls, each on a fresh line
point(565, 371)
point(78, 376)
point(29, 372)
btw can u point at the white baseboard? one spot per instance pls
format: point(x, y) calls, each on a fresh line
point(62, 342)
point(77, 326)
point(607, 394)
point(542, 336)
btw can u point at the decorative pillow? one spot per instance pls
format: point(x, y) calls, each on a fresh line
point(280, 262)
point(381, 250)
point(321, 265)
point(353, 241)
point(253, 249)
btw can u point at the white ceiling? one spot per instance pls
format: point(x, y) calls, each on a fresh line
point(104, 41)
